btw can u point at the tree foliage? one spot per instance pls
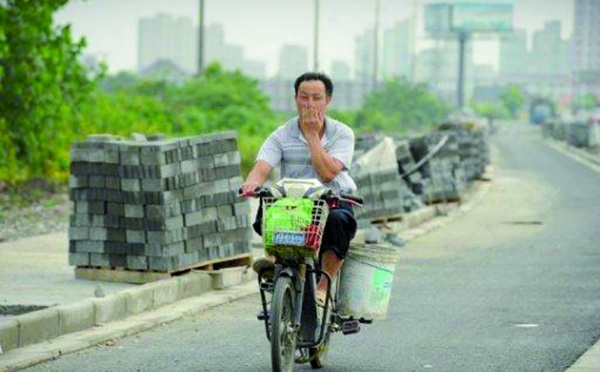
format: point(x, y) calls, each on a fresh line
point(399, 107)
point(491, 111)
point(513, 99)
point(42, 85)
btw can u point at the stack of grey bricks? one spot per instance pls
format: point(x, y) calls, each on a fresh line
point(579, 134)
point(443, 175)
point(473, 152)
point(156, 205)
point(411, 176)
point(382, 191)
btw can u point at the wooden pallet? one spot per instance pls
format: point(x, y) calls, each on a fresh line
point(386, 220)
point(121, 275)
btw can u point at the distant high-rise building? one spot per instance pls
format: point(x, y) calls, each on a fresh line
point(340, 71)
point(549, 53)
point(231, 57)
point(293, 61)
point(586, 37)
point(167, 38)
point(364, 56)
point(438, 68)
point(514, 55)
point(396, 50)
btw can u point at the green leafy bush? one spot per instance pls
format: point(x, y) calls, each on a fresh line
point(397, 107)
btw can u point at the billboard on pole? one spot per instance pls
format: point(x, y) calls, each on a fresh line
point(482, 17)
point(444, 19)
point(438, 19)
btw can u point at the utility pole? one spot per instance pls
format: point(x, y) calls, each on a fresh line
point(201, 40)
point(462, 41)
point(413, 43)
point(375, 45)
point(316, 36)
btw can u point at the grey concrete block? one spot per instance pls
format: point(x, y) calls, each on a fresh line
point(137, 262)
point(111, 154)
point(79, 233)
point(76, 316)
point(174, 223)
point(96, 155)
point(204, 215)
point(9, 334)
point(88, 246)
point(164, 292)
point(129, 156)
point(97, 182)
point(156, 237)
point(151, 184)
point(199, 230)
point(134, 211)
point(135, 236)
point(115, 235)
point(226, 223)
point(115, 209)
point(221, 160)
point(241, 208)
point(224, 211)
point(97, 207)
point(235, 183)
point(212, 240)
point(98, 233)
point(170, 170)
point(188, 166)
point(194, 245)
point(139, 299)
point(130, 184)
point(79, 259)
point(99, 260)
point(155, 212)
point(79, 155)
point(113, 183)
point(226, 278)
point(110, 308)
point(78, 182)
point(38, 326)
point(160, 263)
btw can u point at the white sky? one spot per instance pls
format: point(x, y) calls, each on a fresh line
point(263, 26)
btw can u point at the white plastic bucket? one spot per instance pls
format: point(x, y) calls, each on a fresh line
point(366, 281)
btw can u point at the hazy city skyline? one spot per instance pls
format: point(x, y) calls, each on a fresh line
point(263, 26)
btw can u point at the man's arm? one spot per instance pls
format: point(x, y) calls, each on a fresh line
point(257, 177)
point(326, 165)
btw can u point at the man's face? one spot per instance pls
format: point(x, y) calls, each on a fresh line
point(311, 94)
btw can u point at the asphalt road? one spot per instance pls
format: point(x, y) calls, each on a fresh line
point(513, 285)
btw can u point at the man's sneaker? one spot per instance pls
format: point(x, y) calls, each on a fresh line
point(264, 267)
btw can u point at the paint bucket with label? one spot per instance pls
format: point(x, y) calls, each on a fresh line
point(366, 280)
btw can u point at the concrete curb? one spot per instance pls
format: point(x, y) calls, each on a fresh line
point(44, 325)
point(574, 153)
point(588, 362)
point(27, 356)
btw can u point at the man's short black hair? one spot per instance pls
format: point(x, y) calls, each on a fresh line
point(308, 76)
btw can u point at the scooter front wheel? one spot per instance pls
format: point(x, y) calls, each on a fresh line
point(283, 334)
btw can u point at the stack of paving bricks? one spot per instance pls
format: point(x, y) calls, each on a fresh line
point(382, 192)
point(443, 177)
point(379, 183)
point(365, 142)
point(414, 180)
point(157, 205)
point(578, 134)
point(473, 151)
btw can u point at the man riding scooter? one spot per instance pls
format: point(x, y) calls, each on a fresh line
point(312, 145)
